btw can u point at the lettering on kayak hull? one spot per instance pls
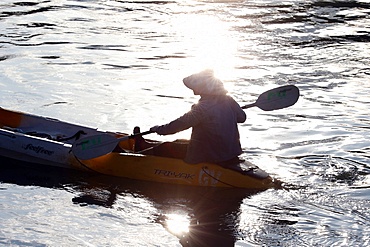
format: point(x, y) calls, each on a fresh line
point(172, 174)
point(205, 178)
point(37, 149)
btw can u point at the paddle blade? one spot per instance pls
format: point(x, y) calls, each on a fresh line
point(278, 98)
point(94, 146)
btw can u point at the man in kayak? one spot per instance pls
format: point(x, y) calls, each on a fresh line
point(214, 119)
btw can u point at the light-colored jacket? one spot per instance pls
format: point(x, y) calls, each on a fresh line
point(215, 135)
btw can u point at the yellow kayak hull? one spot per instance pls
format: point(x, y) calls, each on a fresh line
point(176, 171)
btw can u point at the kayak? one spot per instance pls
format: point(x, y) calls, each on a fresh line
point(48, 141)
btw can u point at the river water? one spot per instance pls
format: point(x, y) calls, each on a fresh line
point(117, 64)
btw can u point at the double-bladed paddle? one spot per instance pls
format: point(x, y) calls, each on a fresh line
point(98, 145)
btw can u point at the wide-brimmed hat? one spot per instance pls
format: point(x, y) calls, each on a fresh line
point(205, 83)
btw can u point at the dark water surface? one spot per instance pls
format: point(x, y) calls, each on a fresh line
point(106, 63)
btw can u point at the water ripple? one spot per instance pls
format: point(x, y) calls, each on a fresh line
point(104, 64)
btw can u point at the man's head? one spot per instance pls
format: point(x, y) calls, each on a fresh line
point(205, 83)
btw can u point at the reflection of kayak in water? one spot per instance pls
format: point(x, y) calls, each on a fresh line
point(48, 141)
point(198, 216)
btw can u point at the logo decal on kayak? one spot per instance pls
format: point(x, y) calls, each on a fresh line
point(209, 177)
point(37, 149)
point(173, 174)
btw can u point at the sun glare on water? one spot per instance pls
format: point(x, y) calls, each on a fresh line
point(177, 224)
point(209, 41)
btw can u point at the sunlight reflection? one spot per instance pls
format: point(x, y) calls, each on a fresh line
point(177, 224)
point(214, 43)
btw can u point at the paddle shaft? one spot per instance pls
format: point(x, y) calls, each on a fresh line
point(274, 99)
point(249, 106)
point(134, 135)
